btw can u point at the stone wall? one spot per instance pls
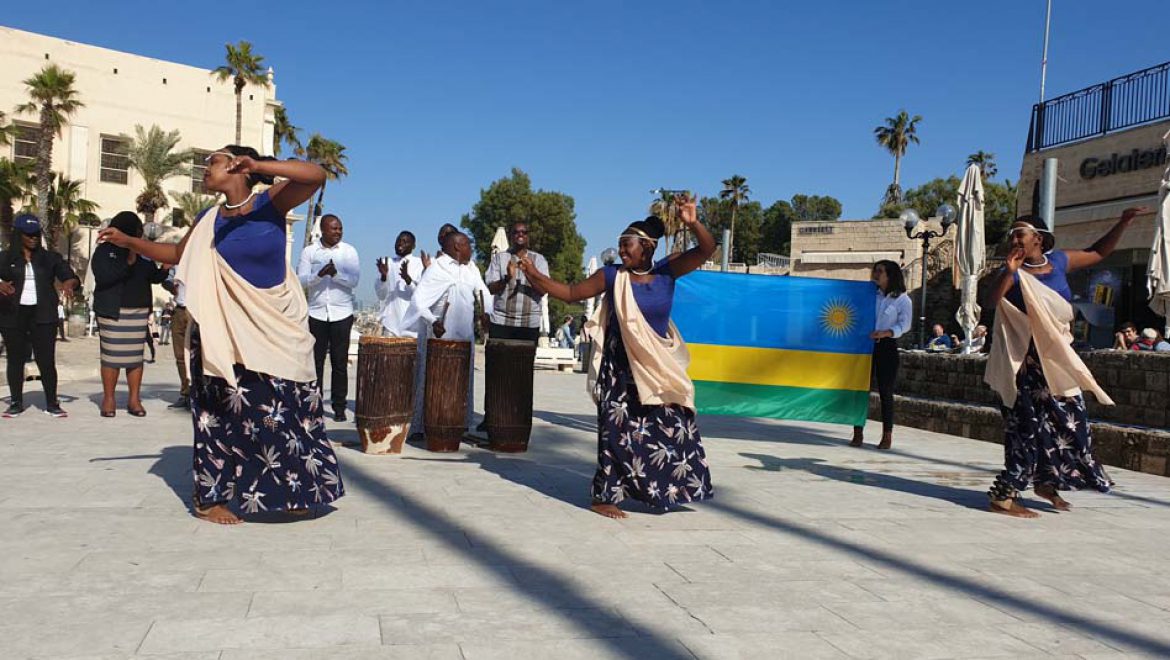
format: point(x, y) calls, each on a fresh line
point(1139, 383)
point(946, 394)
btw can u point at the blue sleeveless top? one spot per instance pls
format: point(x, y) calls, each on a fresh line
point(1057, 280)
point(253, 244)
point(654, 298)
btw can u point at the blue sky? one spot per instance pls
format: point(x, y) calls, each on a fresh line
point(606, 100)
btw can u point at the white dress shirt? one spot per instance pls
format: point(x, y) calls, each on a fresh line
point(394, 295)
point(331, 297)
point(894, 313)
point(448, 288)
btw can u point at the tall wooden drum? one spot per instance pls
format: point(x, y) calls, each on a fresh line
point(385, 392)
point(448, 368)
point(508, 393)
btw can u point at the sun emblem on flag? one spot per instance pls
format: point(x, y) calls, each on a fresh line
point(838, 317)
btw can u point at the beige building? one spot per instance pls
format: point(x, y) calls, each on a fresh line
point(122, 90)
point(1108, 143)
point(848, 249)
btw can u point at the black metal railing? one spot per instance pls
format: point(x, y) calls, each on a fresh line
point(1137, 98)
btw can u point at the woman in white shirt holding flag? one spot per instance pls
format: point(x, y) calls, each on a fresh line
point(894, 317)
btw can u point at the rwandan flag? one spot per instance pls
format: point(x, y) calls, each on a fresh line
point(773, 346)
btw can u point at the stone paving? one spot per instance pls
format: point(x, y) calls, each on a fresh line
point(811, 549)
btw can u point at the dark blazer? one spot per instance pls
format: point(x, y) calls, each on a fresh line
point(48, 266)
point(116, 282)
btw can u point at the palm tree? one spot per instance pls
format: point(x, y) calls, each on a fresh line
point(736, 191)
point(665, 208)
point(896, 136)
point(244, 68)
point(153, 154)
point(6, 130)
point(192, 204)
point(51, 94)
point(15, 182)
point(986, 163)
point(66, 206)
point(283, 132)
point(330, 155)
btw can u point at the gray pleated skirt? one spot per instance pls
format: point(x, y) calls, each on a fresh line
point(123, 340)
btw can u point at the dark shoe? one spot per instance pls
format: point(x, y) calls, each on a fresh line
point(109, 413)
point(339, 415)
point(184, 403)
point(482, 428)
point(55, 411)
point(13, 410)
point(136, 412)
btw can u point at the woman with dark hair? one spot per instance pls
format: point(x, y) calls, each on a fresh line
point(648, 444)
point(259, 434)
point(122, 300)
point(895, 314)
point(28, 310)
point(1037, 374)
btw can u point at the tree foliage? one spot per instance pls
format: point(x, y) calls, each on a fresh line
point(986, 163)
point(551, 219)
point(152, 153)
point(52, 96)
point(999, 208)
point(243, 67)
point(896, 135)
point(191, 204)
point(717, 215)
point(776, 235)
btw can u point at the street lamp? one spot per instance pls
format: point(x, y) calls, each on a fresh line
point(910, 220)
point(152, 230)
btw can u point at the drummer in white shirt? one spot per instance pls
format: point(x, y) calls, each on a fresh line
point(398, 278)
point(330, 270)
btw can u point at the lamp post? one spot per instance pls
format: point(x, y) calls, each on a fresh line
point(910, 221)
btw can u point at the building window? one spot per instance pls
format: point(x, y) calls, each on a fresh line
point(115, 161)
point(198, 167)
point(24, 143)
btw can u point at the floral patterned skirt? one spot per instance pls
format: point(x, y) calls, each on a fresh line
point(261, 444)
point(649, 453)
point(1047, 441)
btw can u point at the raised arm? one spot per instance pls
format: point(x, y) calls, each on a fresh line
point(694, 258)
point(163, 253)
point(591, 287)
point(1099, 251)
point(1007, 277)
point(301, 179)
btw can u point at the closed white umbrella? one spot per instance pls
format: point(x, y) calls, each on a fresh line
point(970, 250)
point(589, 270)
point(500, 240)
point(1159, 273)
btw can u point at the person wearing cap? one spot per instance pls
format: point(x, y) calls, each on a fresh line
point(1150, 341)
point(122, 300)
point(1039, 377)
point(28, 310)
point(648, 444)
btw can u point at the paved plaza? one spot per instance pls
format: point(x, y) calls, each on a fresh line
point(810, 549)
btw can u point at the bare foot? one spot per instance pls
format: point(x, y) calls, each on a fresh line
point(887, 441)
point(300, 513)
point(1012, 508)
point(1049, 493)
point(218, 514)
point(608, 510)
point(858, 438)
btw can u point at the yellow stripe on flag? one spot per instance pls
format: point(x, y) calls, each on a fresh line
point(775, 366)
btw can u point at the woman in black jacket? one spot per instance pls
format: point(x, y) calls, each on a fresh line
point(122, 300)
point(28, 310)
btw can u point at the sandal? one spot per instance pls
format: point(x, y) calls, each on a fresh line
point(109, 413)
point(137, 412)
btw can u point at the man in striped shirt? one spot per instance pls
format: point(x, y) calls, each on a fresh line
point(516, 305)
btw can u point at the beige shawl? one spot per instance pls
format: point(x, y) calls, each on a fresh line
point(265, 330)
point(659, 364)
point(1047, 324)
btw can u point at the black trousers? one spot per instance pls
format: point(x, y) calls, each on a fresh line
point(885, 370)
point(332, 338)
point(40, 338)
point(496, 331)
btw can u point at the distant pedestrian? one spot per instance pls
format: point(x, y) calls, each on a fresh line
point(28, 310)
point(122, 301)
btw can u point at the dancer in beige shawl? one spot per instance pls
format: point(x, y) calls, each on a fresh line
point(259, 436)
point(648, 445)
point(1032, 366)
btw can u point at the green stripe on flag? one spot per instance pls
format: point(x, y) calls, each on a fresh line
point(776, 401)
